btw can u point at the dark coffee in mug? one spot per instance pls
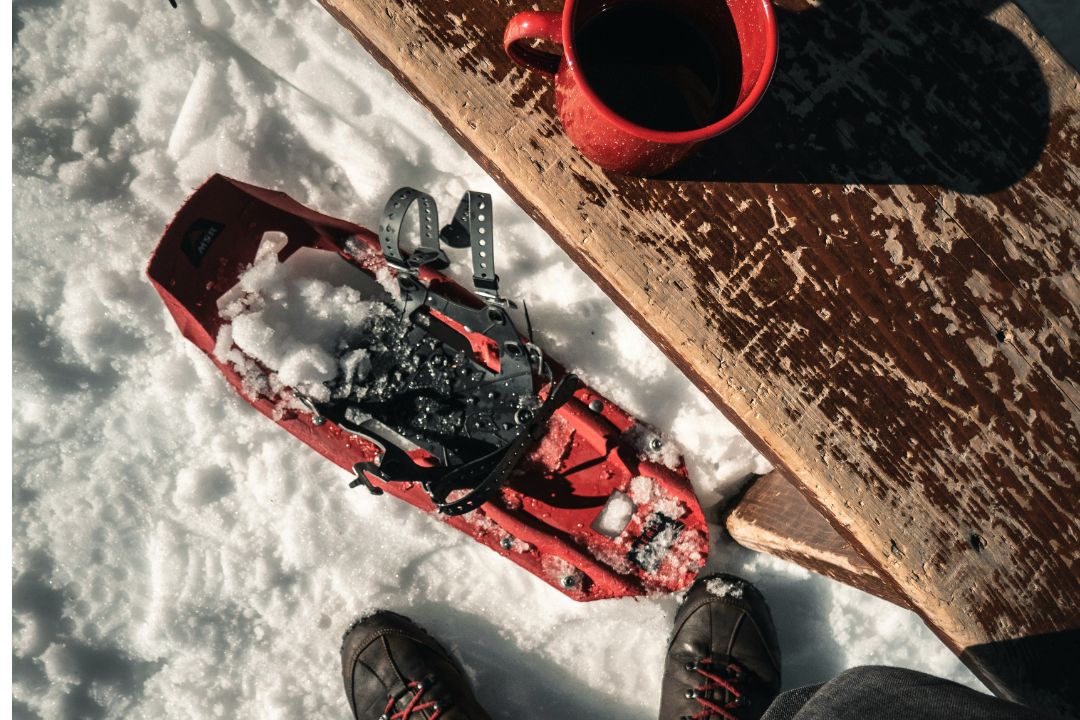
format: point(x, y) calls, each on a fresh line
point(654, 65)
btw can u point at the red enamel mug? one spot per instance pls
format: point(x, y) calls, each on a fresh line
point(745, 28)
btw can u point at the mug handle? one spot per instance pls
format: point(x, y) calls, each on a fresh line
point(532, 25)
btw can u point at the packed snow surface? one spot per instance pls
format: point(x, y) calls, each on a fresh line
point(176, 554)
point(297, 319)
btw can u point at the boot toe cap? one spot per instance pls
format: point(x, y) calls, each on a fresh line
point(724, 627)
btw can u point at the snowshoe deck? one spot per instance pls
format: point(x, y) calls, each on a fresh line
point(573, 491)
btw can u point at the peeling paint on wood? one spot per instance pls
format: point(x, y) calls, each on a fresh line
point(876, 276)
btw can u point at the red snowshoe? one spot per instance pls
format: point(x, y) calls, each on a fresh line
point(458, 414)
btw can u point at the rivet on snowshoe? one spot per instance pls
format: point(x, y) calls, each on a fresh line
point(506, 542)
point(318, 420)
point(655, 444)
point(568, 581)
point(597, 406)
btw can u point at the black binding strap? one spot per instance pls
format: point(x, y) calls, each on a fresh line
point(501, 412)
point(472, 227)
point(481, 476)
point(428, 252)
point(505, 459)
point(485, 280)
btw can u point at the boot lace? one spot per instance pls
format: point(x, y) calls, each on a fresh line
point(413, 706)
point(717, 676)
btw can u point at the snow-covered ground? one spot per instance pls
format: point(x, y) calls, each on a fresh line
point(175, 553)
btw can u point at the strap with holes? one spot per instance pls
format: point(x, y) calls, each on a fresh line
point(485, 280)
point(428, 252)
point(472, 227)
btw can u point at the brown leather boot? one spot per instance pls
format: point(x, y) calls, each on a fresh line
point(393, 670)
point(723, 661)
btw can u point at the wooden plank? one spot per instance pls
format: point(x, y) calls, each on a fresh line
point(875, 277)
point(773, 517)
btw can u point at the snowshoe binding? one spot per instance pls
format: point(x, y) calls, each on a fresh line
point(440, 399)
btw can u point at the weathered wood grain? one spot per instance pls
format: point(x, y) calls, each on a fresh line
point(773, 517)
point(875, 276)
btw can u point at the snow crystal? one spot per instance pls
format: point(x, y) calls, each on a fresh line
point(670, 507)
point(615, 515)
point(641, 489)
point(60, 665)
point(724, 588)
point(614, 556)
point(683, 559)
point(296, 323)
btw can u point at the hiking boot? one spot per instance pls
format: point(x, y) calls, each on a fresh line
point(393, 670)
point(723, 662)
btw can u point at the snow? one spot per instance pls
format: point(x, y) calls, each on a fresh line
point(641, 489)
point(724, 588)
point(615, 515)
point(296, 318)
point(652, 445)
point(177, 555)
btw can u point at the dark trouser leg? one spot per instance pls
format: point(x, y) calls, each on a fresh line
point(886, 693)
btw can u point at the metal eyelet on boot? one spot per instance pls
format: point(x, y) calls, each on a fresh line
point(691, 694)
point(691, 666)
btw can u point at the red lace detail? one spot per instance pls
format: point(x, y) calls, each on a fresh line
point(716, 682)
point(413, 706)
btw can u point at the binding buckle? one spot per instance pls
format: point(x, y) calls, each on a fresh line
point(499, 413)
